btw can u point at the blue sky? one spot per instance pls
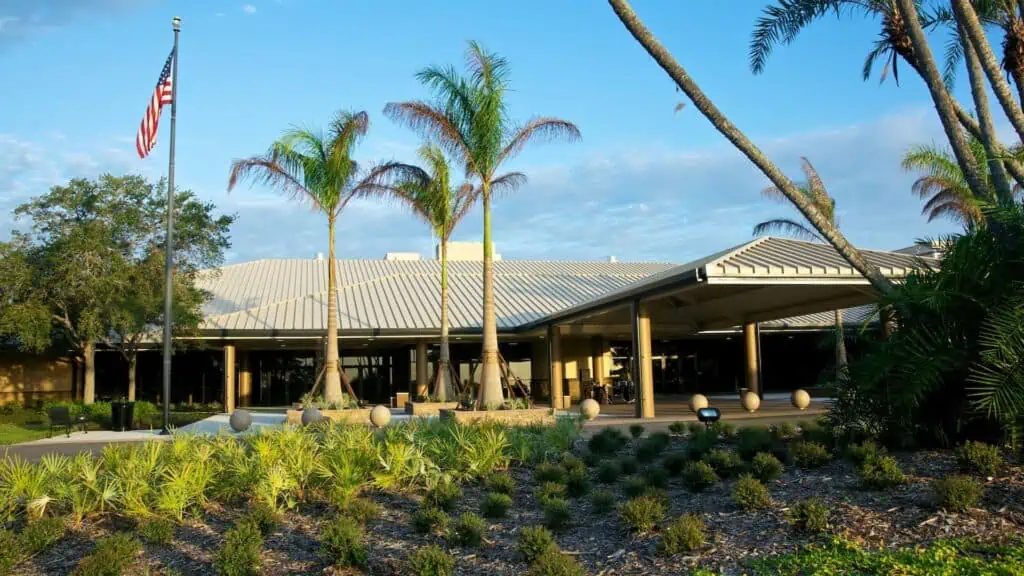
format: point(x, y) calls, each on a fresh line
point(645, 183)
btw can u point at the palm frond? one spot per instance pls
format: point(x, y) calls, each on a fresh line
point(781, 24)
point(543, 128)
point(787, 227)
point(437, 126)
point(507, 183)
point(998, 376)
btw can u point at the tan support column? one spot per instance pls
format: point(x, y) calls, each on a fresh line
point(752, 353)
point(89, 386)
point(422, 370)
point(244, 379)
point(229, 378)
point(643, 367)
point(597, 360)
point(555, 372)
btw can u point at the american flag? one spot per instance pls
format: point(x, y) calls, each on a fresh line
point(145, 140)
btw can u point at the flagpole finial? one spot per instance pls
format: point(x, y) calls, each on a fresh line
point(177, 24)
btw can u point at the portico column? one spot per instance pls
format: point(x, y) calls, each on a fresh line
point(752, 352)
point(597, 364)
point(643, 367)
point(422, 376)
point(555, 372)
point(229, 378)
point(244, 379)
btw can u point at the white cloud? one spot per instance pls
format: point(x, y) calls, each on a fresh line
point(249, 9)
point(22, 19)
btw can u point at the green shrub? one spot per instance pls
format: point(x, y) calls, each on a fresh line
point(548, 472)
point(608, 472)
point(765, 467)
point(636, 430)
point(157, 531)
point(674, 463)
point(573, 465)
point(725, 463)
point(111, 556)
point(749, 494)
point(810, 516)
point(608, 441)
point(858, 454)
point(655, 477)
point(342, 542)
point(534, 541)
point(549, 490)
point(467, 530)
point(784, 431)
point(629, 465)
point(557, 515)
point(817, 431)
point(724, 429)
point(429, 517)
point(593, 459)
point(694, 428)
point(686, 534)
point(699, 476)
point(445, 495)
point(10, 550)
point(361, 510)
point(752, 440)
point(642, 513)
point(700, 444)
point(678, 428)
point(602, 501)
point(809, 454)
point(501, 482)
point(881, 472)
point(239, 554)
point(554, 563)
point(957, 493)
point(432, 560)
point(265, 517)
point(496, 505)
point(634, 486)
point(979, 458)
point(651, 447)
point(39, 535)
point(577, 484)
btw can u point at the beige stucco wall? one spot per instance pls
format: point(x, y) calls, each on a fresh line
point(27, 377)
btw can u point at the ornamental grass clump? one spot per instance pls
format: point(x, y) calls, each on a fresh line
point(554, 563)
point(445, 494)
point(749, 494)
point(112, 556)
point(573, 465)
point(752, 440)
point(686, 534)
point(678, 428)
point(629, 465)
point(809, 455)
point(501, 482)
point(957, 493)
point(467, 530)
point(674, 463)
point(342, 542)
point(699, 476)
point(608, 472)
point(38, 535)
point(361, 510)
point(765, 467)
point(239, 554)
point(495, 505)
point(608, 441)
point(549, 490)
point(979, 458)
point(432, 560)
point(725, 463)
point(636, 430)
point(429, 518)
point(652, 447)
point(880, 473)
point(157, 530)
point(655, 477)
point(534, 541)
point(809, 516)
point(549, 472)
point(784, 431)
point(557, 514)
point(860, 453)
point(602, 501)
point(634, 486)
point(641, 514)
point(700, 444)
point(577, 484)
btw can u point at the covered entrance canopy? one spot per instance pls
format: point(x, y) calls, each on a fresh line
point(765, 279)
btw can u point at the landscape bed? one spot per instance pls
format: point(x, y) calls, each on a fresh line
point(422, 485)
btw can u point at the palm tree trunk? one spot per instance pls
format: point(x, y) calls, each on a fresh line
point(840, 344)
point(988, 130)
point(332, 379)
point(132, 362)
point(443, 387)
point(971, 125)
point(943, 103)
point(968, 19)
point(490, 377)
point(748, 148)
point(1018, 81)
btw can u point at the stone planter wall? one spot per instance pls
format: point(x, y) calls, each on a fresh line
point(350, 416)
point(429, 408)
point(527, 417)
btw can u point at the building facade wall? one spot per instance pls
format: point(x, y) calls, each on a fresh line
point(27, 378)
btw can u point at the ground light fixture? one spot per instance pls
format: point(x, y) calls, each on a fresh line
point(709, 416)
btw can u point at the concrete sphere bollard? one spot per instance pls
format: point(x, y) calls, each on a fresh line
point(240, 420)
point(751, 402)
point(698, 401)
point(589, 408)
point(380, 416)
point(801, 399)
point(310, 415)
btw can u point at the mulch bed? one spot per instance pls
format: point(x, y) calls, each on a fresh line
point(899, 517)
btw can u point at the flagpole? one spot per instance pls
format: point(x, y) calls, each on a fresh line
point(169, 248)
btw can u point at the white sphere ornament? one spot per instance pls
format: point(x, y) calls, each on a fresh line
point(751, 402)
point(240, 420)
point(380, 416)
point(589, 408)
point(697, 402)
point(801, 399)
point(311, 415)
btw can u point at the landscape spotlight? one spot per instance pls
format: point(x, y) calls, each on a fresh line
point(708, 416)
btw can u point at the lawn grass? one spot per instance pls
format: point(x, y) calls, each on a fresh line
point(22, 430)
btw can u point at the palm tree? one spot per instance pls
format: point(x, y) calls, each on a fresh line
point(943, 186)
point(1008, 16)
point(317, 168)
point(814, 191)
point(468, 119)
point(430, 196)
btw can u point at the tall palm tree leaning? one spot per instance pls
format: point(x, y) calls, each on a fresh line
point(468, 119)
point(707, 108)
point(317, 168)
point(429, 194)
point(814, 191)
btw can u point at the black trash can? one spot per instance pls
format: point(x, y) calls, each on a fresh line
point(129, 416)
point(122, 416)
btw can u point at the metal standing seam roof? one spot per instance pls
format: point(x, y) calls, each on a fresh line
point(852, 318)
point(395, 295)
